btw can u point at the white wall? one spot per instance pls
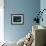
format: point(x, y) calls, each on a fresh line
point(43, 6)
point(1, 20)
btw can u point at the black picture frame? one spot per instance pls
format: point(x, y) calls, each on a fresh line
point(17, 19)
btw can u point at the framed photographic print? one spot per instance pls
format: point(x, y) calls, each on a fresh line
point(17, 19)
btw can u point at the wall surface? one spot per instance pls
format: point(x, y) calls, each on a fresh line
point(1, 20)
point(43, 6)
point(28, 8)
